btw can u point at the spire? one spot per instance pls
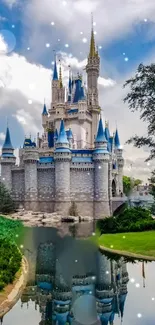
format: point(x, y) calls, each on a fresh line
point(92, 52)
point(69, 86)
point(62, 138)
point(100, 133)
point(44, 109)
point(55, 72)
point(117, 141)
point(107, 133)
point(60, 76)
point(7, 143)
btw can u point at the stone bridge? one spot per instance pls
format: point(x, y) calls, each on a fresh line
point(117, 202)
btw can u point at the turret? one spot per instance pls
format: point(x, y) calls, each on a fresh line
point(93, 69)
point(61, 89)
point(70, 138)
point(30, 159)
point(7, 161)
point(62, 157)
point(70, 88)
point(44, 116)
point(101, 161)
point(120, 161)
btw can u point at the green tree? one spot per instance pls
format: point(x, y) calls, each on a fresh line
point(6, 202)
point(141, 97)
point(129, 184)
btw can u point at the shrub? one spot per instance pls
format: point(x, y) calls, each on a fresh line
point(130, 220)
point(6, 202)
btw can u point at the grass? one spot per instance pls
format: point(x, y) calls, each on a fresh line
point(142, 243)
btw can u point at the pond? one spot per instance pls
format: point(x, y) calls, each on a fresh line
point(72, 282)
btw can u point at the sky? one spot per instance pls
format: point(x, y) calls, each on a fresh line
point(30, 32)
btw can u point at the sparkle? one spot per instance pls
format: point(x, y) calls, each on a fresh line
point(100, 47)
point(90, 292)
point(94, 23)
point(93, 233)
point(139, 315)
point(124, 237)
point(95, 32)
point(52, 23)
point(13, 26)
point(21, 246)
point(17, 236)
point(126, 59)
point(28, 48)
point(84, 40)
point(111, 246)
point(58, 39)
point(52, 62)
point(148, 164)
point(145, 20)
point(93, 277)
point(153, 298)
point(64, 3)
point(137, 285)
point(81, 33)
point(66, 45)
point(76, 261)
point(47, 44)
point(107, 272)
point(99, 167)
point(30, 101)
point(132, 280)
point(124, 53)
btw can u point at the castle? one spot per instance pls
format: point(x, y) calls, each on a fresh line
point(76, 159)
point(63, 300)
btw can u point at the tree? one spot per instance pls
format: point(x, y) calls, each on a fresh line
point(152, 190)
point(129, 184)
point(6, 202)
point(142, 97)
point(73, 210)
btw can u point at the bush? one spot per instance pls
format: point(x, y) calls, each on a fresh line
point(6, 202)
point(10, 262)
point(130, 220)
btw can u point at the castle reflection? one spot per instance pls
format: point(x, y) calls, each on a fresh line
point(78, 297)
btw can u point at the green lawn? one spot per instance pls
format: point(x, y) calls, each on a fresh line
point(142, 243)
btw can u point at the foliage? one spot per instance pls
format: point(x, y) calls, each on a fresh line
point(10, 229)
point(73, 210)
point(6, 202)
point(129, 184)
point(129, 220)
point(142, 97)
point(10, 262)
point(152, 190)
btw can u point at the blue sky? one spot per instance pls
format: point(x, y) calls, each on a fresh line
point(29, 32)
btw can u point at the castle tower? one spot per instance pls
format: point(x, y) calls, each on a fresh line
point(120, 160)
point(62, 157)
point(101, 186)
point(30, 159)
point(44, 116)
point(93, 69)
point(7, 161)
point(55, 86)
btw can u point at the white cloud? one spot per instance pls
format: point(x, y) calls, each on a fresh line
point(3, 45)
point(2, 136)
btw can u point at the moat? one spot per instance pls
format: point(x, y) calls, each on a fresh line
point(71, 282)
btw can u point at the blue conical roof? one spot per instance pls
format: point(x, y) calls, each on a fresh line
point(62, 138)
point(100, 133)
point(122, 299)
point(79, 91)
point(55, 72)
point(107, 133)
point(69, 134)
point(44, 110)
point(117, 141)
point(7, 143)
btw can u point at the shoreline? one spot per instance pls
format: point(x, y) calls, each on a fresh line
point(18, 286)
point(126, 254)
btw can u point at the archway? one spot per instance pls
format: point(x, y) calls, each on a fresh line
point(113, 188)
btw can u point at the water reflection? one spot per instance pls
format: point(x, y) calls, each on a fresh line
point(71, 282)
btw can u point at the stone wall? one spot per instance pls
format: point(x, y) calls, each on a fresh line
point(82, 184)
point(18, 184)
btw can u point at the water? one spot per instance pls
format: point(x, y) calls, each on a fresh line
point(58, 286)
